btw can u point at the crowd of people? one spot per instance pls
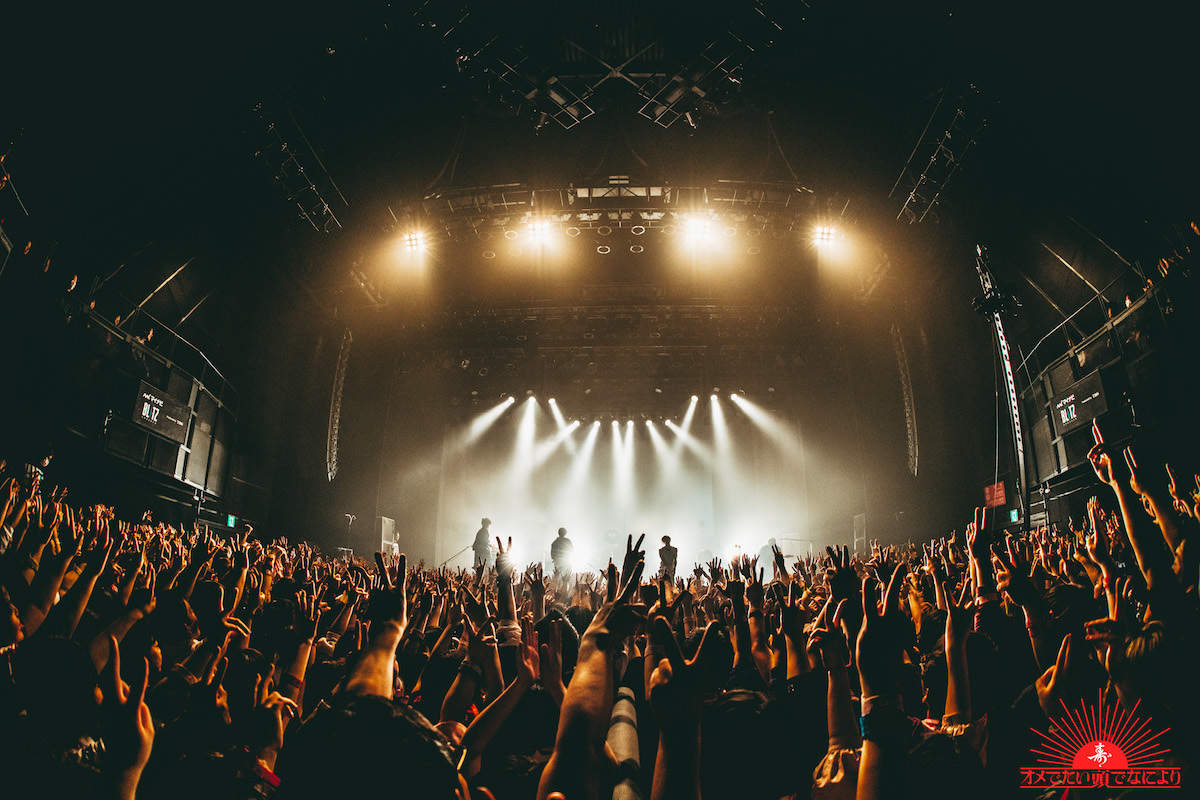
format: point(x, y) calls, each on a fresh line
point(139, 659)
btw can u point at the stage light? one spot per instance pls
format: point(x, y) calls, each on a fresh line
point(695, 398)
point(713, 398)
point(823, 234)
point(596, 424)
point(649, 423)
point(559, 419)
point(414, 240)
point(638, 230)
point(486, 419)
point(698, 227)
point(541, 229)
point(510, 235)
point(603, 249)
point(636, 248)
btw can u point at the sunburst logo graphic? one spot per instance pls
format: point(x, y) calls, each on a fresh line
point(1100, 746)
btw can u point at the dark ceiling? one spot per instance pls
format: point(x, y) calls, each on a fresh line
point(136, 137)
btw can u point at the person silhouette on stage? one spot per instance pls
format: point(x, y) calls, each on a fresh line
point(560, 553)
point(667, 557)
point(483, 544)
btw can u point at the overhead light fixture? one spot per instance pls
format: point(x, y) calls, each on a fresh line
point(823, 235)
point(636, 248)
point(698, 227)
point(603, 249)
point(541, 228)
point(638, 230)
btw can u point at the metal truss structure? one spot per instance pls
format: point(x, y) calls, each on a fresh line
point(475, 212)
point(294, 166)
point(335, 406)
point(991, 304)
point(560, 86)
point(910, 406)
point(944, 143)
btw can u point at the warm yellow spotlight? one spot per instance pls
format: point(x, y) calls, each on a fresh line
point(541, 229)
point(414, 240)
point(698, 227)
point(823, 234)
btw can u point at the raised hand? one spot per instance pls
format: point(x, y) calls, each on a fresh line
point(959, 614)
point(675, 689)
point(504, 565)
point(528, 661)
point(128, 726)
point(550, 661)
point(1179, 498)
point(977, 539)
point(389, 603)
point(535, 579)
point(879, 649)
point(1056, 683)
point(843, 583)
point(714, 570)
point(1102, 463)
point(733, 589)
point(619, 615)
point(268, 723)
point(633, 554)
point(1012, 574)
point(780, 565)
point(828, 642)
point(754, 587)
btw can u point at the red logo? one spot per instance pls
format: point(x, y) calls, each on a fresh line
point(1100, 746)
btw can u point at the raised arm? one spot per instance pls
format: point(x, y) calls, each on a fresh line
point(884, 726)
point(574, 768)
point(374, 672)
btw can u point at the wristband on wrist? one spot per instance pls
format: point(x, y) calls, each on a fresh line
point(884, 724)
point(989, 597)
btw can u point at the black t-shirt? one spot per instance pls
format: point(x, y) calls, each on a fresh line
point(561, 549)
